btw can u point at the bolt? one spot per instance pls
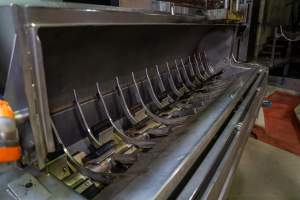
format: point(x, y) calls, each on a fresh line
point(28, 185)
point(65, 169)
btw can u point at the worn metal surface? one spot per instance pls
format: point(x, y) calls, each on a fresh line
point(67, 56)
point(194, 188)
point(164, 173)
point(44, 186)
point(27, 187)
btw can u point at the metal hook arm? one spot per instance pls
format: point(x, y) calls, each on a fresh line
point(151, 91)
point(151, 114)
point(160, 81)
point(119, 131)
point(186, 77)
point(95, 142)
point(179, 77)
point(124, 105)
point(105, 178)
point(192, 71)
point(184, 87)
point(172, 83)
point(202, 66)
point(162, 86)
point(193, 74)
point(210, 67)
point(198, 71)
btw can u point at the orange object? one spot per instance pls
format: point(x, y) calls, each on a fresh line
point(5, 110)
point(10, 154)
point(282, 126)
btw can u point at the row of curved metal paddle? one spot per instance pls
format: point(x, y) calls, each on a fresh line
point(192, 86)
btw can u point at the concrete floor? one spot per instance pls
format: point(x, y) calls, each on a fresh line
point(266, 173)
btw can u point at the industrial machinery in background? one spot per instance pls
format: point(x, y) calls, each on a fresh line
point(121, 103)
point(235, 10)
point(279, 37)
point(232, 10)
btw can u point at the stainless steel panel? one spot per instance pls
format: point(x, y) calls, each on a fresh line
point(62, 47)
point(168, 168)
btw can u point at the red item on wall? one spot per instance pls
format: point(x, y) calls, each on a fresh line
point(282, 128)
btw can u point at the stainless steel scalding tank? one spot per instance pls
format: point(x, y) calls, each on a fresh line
point(115, 103)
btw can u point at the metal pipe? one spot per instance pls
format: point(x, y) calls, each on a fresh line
point(226, 4)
